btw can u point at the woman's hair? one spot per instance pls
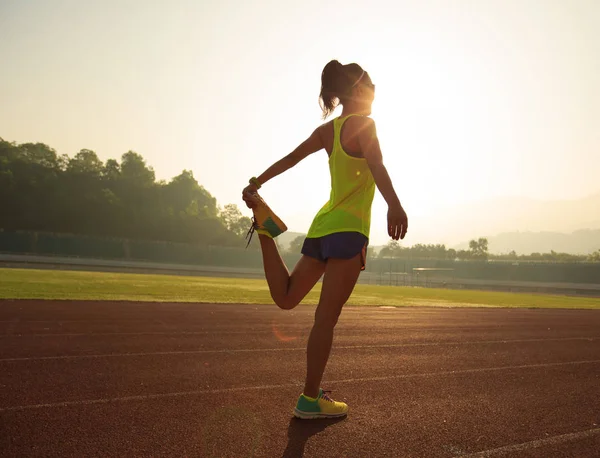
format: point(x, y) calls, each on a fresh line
point(337, 81)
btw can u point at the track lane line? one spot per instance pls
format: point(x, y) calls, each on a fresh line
point(287, 385)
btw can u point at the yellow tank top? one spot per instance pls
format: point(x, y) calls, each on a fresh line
point(352, 191)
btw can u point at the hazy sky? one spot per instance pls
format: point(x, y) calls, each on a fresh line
point(475, 99)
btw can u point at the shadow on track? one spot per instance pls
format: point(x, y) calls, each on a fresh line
point(299, 431)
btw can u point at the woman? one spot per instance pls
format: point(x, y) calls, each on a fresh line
point(338, 237)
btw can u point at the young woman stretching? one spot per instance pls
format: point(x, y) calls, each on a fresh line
point(338, 237)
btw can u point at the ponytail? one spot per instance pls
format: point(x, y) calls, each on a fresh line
point(337, 81)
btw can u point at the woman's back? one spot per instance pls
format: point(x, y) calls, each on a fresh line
point(352, 185)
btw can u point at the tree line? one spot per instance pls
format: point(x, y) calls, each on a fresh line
point(43, 191)
point(478, 250)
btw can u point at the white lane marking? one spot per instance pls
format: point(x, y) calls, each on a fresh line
point(268, 330)
point(554, 440)
point(258, 350)
point(285, 385)
point(148, 333)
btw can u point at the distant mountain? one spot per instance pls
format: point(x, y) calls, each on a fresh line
point(509, 215)
point(579, 242)
point(509, 223)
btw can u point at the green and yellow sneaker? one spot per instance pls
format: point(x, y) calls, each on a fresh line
point(322, 407)
point(265, 221)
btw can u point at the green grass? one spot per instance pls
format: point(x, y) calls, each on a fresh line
point(74, 285)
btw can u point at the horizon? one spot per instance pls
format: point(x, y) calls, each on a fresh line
point(476, 103)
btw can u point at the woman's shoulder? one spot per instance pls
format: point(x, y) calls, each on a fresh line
point(361, 119)
point(355, 122)
point(359, 122)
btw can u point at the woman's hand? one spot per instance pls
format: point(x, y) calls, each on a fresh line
point(250, 189)
point(397, 222)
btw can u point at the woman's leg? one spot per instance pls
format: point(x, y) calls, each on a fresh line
point(288, 290)
point(339, 281)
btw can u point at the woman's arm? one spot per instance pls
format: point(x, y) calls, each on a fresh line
point(369, 144)
point(309, 146)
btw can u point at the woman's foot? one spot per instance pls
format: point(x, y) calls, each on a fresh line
point(265, 221)
point(321, 407)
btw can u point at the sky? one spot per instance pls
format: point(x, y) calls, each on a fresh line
point(476, 100)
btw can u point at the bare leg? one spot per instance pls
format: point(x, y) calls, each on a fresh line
point(288, 290)
point(339, 281)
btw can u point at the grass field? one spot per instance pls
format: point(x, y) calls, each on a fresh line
point(74, 285)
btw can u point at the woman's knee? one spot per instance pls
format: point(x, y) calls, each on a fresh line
point(327, 317)
point(286, 302)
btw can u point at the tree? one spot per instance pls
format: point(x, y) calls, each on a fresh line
point(595, 256)
point(391, 250)
point(39, 153)
point(281, 249)
point(43, 191)
point(112, 170)
point(86, 162)
point(464, 255)
point(372, 254)
point(479, 248)
point(8, 151)
point(135, 170)
point(296, 244)
point(232, 218)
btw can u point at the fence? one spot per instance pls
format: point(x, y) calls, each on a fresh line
point(380, 271)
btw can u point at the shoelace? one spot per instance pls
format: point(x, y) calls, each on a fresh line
point(326, 397)
point(251, 231)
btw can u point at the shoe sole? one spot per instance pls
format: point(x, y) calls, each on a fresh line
point(314, 416)
point(276, 226)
